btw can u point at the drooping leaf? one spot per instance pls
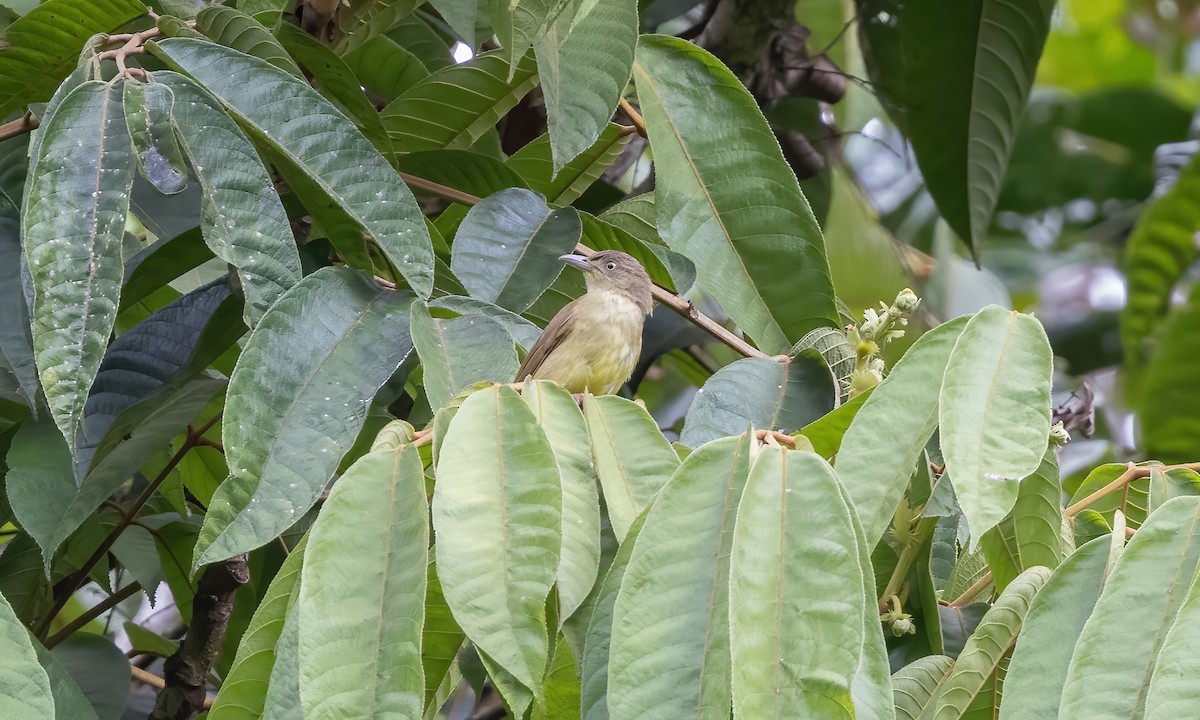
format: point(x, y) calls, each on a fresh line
point(507, 248)
point(455, 106)
point(754, 242)
point(584, 63)
point(633, 459)
point(796, 597)
point(670, 628)
point(915, 684)
point(959, 100)
point(563, 186)
point(994, 412)
point(148, 115)
point(458, 352)
point(763, 394)
point(24, 686)
point(297, 399)
point(579, 558)
point(43, 44)
point(366, 20)
point(890, 430)
point(523, 332)
point(361, 609)
point(1034, 683)
point(69, 700)
point(83, 169)
point(100, 670)
point(351, 187)
point(385, 68)
point(243, 694)
point(1031, 534)
point(498, 478)
point(665, 266)
point(243, 33)
point(988, 644)
point(1153, 575)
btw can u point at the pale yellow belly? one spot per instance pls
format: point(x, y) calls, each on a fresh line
point(600, 360)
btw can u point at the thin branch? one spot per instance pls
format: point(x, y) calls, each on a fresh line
point(921, 532)
point(972, 592)
point(92, 613)
point(26, 123)
point(75, 581)
point(440, 190)
point(147, 677)
point(634, 116)
point(1132, 472)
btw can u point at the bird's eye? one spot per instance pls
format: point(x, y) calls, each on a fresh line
point(611, 266)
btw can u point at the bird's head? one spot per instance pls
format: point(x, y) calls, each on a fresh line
point(615, 271)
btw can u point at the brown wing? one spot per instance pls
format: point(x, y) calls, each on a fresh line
point(550, 338)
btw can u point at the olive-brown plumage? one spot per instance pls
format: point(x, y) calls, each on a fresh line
point(592, 344)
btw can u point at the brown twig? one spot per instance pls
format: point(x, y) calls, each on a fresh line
point(774, 437)
point(1132, 472)
point(26, 123)
point(147, 677)
point(75, 581)
point(972, 592)
point(185, 673)
point(92, 613)
point(634, 116)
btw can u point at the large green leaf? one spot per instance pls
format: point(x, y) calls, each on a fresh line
point(361, 607)
point(498, 479)
point(471, 172)
point(1153, 577)
point(518, 23)
point(523, 332)
point(99, 669)
point(24, 686)
point(385, 68)
point(1172, 692)
point(1170, 432)
point(994, 412)
point(441, 638)
point(455, 106)
point(69, 700)
point(637, 217)
point(242, 219)
point(507, 248)
point(633, 459)
point(670, 653)
point(563, 186)
point(148, 115)
point(988, 644)
point(915, 684)
point(241, 32)
point(363, 21)
point(243, 693)
point(1034, 683)
point(282, 701)
point(584, 63)
point(756, 245)
point(579, 559)
point(77, 199)
point(358, 192)
point(297, 399)
point(561, 690)
point(796, 596)
point(665, 266)
point(1031, 534)
point(888, 434)
point(458, 352)
point(959, 96)
point(41, 47)
point(763, 394)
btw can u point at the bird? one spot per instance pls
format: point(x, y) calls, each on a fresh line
point(592, 345)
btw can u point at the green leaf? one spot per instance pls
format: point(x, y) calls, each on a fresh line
point(994, 412)
point(362, 606)
point(637, 216)
point(1169, 431)
point(243, 33)
point(459, 352)
point(959, 99)
point(336, 81)
point(385, 68)
point(69, 700)
point(242, 219)
point(579, 557)
point(41, 487)
point(340, 338)
point(763, 394)
point(507, 248)
point(83, 169)
point(460, 15)
point(243, 694)
point(1171, 692)
point(359, 193)
point(1152, 575)
point(1031, 534)
point(665, 266)
point(826, 432)
point(143, 641)
point(670, 651)
point(755, 242)
point(1034, 683)
point(915, 684)
point(497, 478)
point(16, 343)
point(24, 686)
point(523, 332)
point(988, 644)
point(455, 106)
point(889, 433)
point(441, 638)
point(519, 23)
point(366, 20)
point(584, 62)
point(148, 115)
point(796, 597)
point(633, 459)
point(464, 170)
point(594, 663)
point(283, 688)
point(1134, 501)
point(100, 670)
point(561, 691)
point(563, 186)
point(42, 46)
point(136, 551)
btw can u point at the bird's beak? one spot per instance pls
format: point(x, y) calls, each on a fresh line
point(574, 260)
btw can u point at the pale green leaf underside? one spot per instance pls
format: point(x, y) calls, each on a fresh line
point(24, 686)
